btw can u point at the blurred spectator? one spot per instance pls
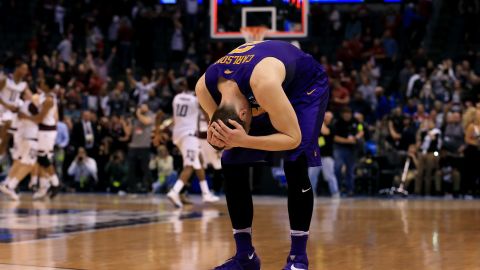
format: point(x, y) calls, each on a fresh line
point(83, 169)
point(59, 16)
point(142, 87)
point(472, 151)
point(447, 178)
point(139, 150)
point(113, 30)
point(116, 172)
point(390, 45)
point(162, 165)
point(346, 136)
point(367, 90)
point(340, 96)
point(84, 134)
point(325, 142)
point(430, 143)
point(177, 45)
point(119, 130)
point(65, 48)
point(118, 99)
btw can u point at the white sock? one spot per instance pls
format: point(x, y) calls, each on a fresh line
point(178, 186)
point(34, 179)
point(298, 233)
point(246, 230)
point(204, 187)
point(12, 183)
point(44, 183)
point(54, 180)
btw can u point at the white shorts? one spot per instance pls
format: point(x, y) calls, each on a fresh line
point(46, 142)
point(190, 148)
point(28, 151)
point(5, 115)
point(210, 156)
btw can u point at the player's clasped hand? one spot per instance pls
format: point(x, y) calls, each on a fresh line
point(213, 140)
point(222, 135)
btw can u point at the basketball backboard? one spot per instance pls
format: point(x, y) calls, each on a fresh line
point(285, 18)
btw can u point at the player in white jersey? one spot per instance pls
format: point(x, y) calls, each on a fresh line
point(185, 117)
point(29, 117)
point(47, 134)
point(11, 89)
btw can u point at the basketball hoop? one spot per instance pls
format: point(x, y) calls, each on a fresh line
point(254, 33)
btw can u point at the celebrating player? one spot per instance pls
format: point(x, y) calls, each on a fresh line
point(185, 117)
point(292, 88)
point(29, 117)
point(47, 134)
point(11, 89)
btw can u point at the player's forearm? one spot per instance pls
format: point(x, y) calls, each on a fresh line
point(274, 142)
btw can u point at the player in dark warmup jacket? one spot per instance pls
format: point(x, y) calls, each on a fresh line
point(262, 97)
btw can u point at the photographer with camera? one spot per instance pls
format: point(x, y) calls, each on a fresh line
point(139, 149)
point(84, 171)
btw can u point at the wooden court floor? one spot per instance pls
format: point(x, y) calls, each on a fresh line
point(145, 232)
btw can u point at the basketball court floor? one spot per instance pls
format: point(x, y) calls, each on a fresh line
point(145, 232)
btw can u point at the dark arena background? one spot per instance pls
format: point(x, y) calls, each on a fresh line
point(400, 144)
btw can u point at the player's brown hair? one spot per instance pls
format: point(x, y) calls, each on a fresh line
point(225, 113)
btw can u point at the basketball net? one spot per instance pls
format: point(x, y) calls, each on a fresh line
point(254, 33)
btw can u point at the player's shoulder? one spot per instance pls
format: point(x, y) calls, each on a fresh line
point(267, 70)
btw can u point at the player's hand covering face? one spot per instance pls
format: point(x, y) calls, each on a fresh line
point(213, 140)
point(221, 134)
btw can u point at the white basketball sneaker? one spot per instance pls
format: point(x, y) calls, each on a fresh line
point(10, 193)
point(40, 194)
point(210, 198)
point(175, 199)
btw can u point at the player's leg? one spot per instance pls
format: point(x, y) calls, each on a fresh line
point(212, 157)
point(21, 168)
point(4, 137)
point(300, 207)
point(174, 194)
point(43, 178)
point(207, 196)
point(187, 157)
point(10, 183)
point(310, 114)
point(240, 209)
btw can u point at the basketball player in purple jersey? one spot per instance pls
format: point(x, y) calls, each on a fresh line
point(263, 97)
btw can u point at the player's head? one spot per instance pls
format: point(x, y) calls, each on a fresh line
point(21, 69)
point(225, 113)
point(47, 84)
point(234, 106)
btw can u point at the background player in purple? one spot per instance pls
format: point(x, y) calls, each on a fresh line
point(287, 91)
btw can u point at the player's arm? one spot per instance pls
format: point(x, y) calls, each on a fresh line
point(266, 82)
point(209, 106)
point(38, 118)
point(8, 106)
point(204, 98)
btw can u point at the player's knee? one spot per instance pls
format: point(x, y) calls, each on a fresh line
point(44, 161)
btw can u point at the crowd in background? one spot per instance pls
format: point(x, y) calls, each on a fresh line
point(118, 67)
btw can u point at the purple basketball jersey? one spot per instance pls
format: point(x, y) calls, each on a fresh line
point(305, 84)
